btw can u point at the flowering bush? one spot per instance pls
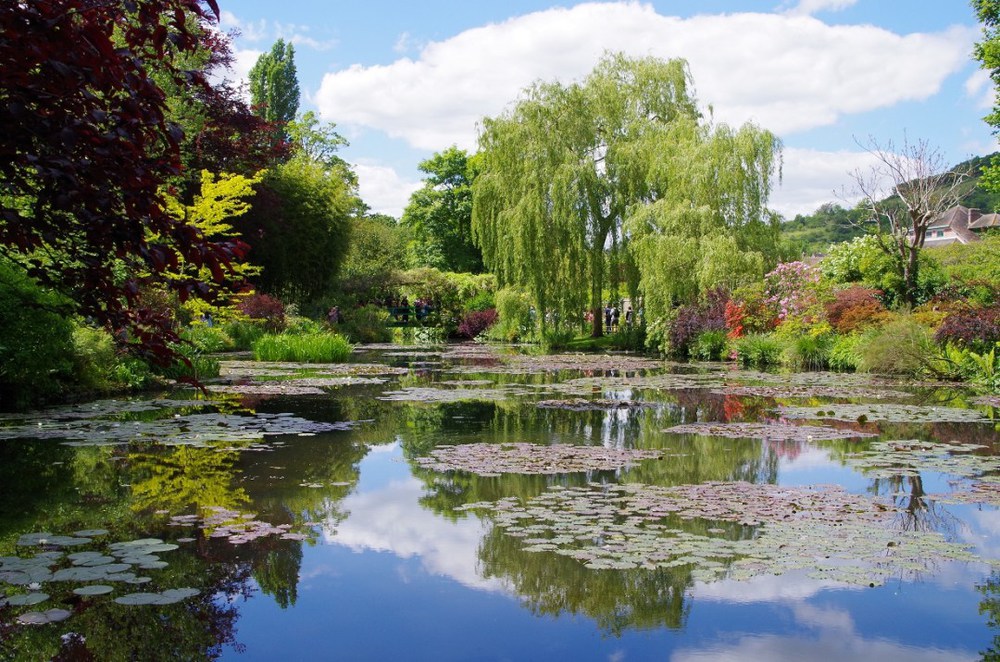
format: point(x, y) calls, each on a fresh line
point(476, 322)
point(748, 312)
point(853, 308)
point(791, 289)
point(269, 310)
point(695, 319)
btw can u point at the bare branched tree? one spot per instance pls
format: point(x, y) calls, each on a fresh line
point(904, 191)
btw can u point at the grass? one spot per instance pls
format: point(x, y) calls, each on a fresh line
point(302, 348)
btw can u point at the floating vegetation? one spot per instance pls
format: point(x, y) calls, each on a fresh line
point(767, 431)
point(579, 404)
point(236, 370)
point(167, 597)
point(811, 391)
point(101, 409)
point(97, 570)
point(193, 429)
point(496, 459)
point(989, 400)
point(978, 492)
point(583, 386)
point(304, 386)
point(911, 458)
point(234, 526)
point(427, 394)
point(893, 413)
point(836, 535)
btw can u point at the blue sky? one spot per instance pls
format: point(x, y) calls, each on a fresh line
point(403, 80)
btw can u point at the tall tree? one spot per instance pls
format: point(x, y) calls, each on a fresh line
point(440, 214)
point(274, 85)
point(903, 192)
point(563, 169)
point(987, 52)
point(86, 149)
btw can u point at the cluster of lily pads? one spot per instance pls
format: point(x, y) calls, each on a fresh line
point(768, 431)
point(599, 404)
point(429, 394)
point(234, 526)
point(832, 534)
point(892, 413)
point(522, 458)
point(95, 571)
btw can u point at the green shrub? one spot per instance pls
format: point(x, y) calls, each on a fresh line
point(631, 338)
point(807, 352)
point(198, 366)
point(101, 367)
point(514, 313)
point(845, 352)
point(302, 348)
point(556, 339)
point(36, 341)
point(759, 350)
point(366, 324)
point(207, 338)
point(243, 333)
point(483, 300)
point(902, 346)
point(709, 345)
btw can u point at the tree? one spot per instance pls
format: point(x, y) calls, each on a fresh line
point(86, 149)
point(440, 214)
point(299, 228)
point(376, 253)
point(563, 170)
point(274, 87)
point(903, 192)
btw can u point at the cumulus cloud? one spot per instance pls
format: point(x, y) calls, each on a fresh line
point(979, 88)
point(809, 7)
point(383, 189)
point(786, 72)
point(813, 178)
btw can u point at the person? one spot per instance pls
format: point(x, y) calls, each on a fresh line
point(614, 318)
point(628, 317)
point(405, 309)
point(607, 316)
point(333, 317)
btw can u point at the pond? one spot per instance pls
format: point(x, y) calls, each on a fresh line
point(463, 502)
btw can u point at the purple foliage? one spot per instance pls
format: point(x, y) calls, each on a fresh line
point(970, 327)
point(694, 319)
point(476, 322)
point(268, 309)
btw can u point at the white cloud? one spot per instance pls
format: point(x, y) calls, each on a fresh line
point(252, 31)
point(383, 189)
point(979, 87)
point(813, 178)
point(809, 7)
point(787, 73)
point(392, 520)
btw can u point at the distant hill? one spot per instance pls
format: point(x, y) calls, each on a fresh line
point(831, 223)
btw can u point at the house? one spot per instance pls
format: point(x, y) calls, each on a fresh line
point(959, 224)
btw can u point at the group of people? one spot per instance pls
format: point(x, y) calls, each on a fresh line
point(611, 317)
point(400, 309)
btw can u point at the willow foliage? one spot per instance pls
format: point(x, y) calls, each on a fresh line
point(621, 166)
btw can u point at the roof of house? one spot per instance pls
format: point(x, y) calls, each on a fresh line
point(960, 220)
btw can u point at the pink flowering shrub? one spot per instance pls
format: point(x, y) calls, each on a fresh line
point(791, 289)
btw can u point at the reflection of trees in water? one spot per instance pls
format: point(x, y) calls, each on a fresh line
point(617, 600)
point(990, 607)
point(185, 479)
point(918, 513)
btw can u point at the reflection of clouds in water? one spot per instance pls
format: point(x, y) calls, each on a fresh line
point(808, 458)
point(766, 588)
point(835, 637)
point(392, 520)
point(981, 529)
point(828, 646)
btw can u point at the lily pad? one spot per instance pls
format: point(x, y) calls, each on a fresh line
point(27, 599)
point(521, 458)
point(44, 617)
point(893, 413)
point(93, 589)
point(768, 431)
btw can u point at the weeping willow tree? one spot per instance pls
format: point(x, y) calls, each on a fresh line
point(620, 168)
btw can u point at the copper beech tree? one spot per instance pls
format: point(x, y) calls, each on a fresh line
point(87, 153)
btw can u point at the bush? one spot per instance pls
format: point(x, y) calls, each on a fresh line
point(207, 338)
point(710, 345)
point(973, 328)
point(807, 352)
point(902, 347)
point(853, 308)
point(475, 323)
point(243, 333)
point(36, 341)
point(270, 312)
point(759, 350)
point(482, 301)
point(513, 316)
point(845, 352)
point(302, 348)
point(366, 324)
point(693, 320)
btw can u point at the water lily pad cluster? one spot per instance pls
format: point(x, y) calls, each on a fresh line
point(95, 571)
point(234, 526)
point(302, 386)
point(768, 431)
point(912, 457)
point(237, 370)
point(827, 531)
point(893, 413)
point(840, 391)
point(192, 429)
point(521, 458)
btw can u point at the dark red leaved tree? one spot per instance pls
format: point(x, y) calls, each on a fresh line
point(85, 151)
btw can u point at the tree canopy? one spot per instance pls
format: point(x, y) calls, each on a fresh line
point(87, 150)
point(440, 214)
point(563, 171)
point(274, 84)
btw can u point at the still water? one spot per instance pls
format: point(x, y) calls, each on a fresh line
point(319, 513)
